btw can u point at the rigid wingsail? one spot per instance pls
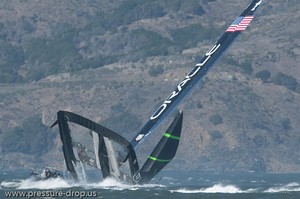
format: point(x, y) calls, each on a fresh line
point(96, 146)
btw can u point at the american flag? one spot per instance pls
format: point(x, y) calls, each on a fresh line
point(240, 24)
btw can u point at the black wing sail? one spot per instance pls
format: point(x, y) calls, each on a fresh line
point(200, 69)
point(96, 146)
point(164, 151)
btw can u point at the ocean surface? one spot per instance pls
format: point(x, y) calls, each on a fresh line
point(168, 184)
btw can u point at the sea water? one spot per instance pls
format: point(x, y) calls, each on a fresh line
point(168, 184)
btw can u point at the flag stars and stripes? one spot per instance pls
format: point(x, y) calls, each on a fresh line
point(240, 24)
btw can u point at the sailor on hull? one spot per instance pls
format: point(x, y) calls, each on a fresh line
point(45, 175)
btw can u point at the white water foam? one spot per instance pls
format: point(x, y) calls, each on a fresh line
point(80, 170)
point(12, 184)
point(59, 183)
point(56, 183)
point(217, 188)
point(114, 184)
point(291, 187)
point(111, 183)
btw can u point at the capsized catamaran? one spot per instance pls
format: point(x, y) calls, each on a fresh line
point(102, 148)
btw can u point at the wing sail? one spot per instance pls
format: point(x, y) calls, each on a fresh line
point(98, 147)
point(200, 69)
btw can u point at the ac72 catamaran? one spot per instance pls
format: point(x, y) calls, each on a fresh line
point(102, 148)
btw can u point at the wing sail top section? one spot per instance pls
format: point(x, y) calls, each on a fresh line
point(200, 69)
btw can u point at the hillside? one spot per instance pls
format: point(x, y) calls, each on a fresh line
point(116, 61)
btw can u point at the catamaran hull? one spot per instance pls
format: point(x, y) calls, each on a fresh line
point(107, 158)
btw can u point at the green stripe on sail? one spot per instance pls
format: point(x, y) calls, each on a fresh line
point(171, 136)
point(158, 160)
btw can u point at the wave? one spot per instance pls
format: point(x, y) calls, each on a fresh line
point(114, 184)
point(291, 187)
point(232, 189)
point(217, 188)
point(10, 184)
point(59, 183)
point(56, 183)
point(110, 183)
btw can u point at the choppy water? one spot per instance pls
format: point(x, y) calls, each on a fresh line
point(167, 185)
